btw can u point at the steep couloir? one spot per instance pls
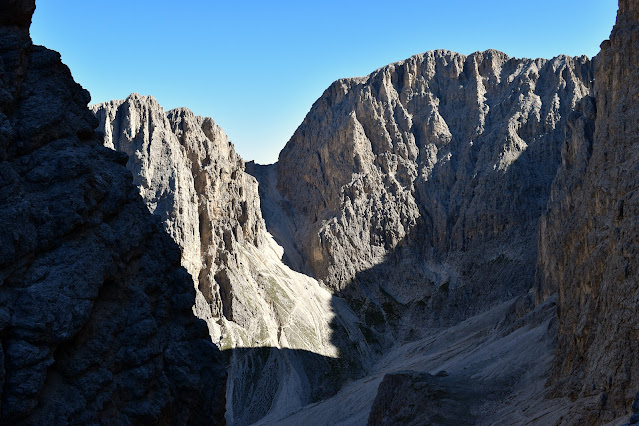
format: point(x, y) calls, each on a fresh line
point(95, 310)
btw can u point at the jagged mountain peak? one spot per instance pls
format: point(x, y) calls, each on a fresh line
point(397, 172)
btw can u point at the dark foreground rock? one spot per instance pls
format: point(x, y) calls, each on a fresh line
point(95, 310)
point(634, 418)
point(413, 398)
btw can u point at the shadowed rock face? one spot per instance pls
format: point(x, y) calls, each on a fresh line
point(488, 195)
point(424, 181)
point(414, 192)
point(588, 239)
point(95, 309)
point(423, 399)
point(17, 13)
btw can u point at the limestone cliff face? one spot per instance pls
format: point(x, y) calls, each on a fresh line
point(423, 182)
point(588, 239)
point(189, 175)
point(95, 310)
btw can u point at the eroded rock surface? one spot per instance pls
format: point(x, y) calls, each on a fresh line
point(414, 194)
point(290, 341)
point(588, 238)
point(95, 310)
point(416, 191)
point(190, 176)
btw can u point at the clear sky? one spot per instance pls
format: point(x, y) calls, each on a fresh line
point(256, 67)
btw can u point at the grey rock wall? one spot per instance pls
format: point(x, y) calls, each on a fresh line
point(420, 186)
point(588, 238)
point(189, 175)
point(95, 309)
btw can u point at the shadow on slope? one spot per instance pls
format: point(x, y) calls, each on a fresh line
point(275, 382)
point(405, 298)
point(491, 368)
point(277, 215)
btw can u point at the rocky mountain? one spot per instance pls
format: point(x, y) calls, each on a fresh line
point(189, 175)
point(95, 310)
point(292, 344)
point(431, 188)
point(588, 238)
point(421, 199)
point(417, 189)
point(447, 240)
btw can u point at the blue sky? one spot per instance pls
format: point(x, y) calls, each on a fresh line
point(257, 67)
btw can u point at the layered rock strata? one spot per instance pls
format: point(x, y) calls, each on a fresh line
point(95, 309)
point(588, 238)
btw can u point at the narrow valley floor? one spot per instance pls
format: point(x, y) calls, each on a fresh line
point(489, 369)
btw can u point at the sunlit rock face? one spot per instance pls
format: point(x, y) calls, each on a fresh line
point(588, 238)
point(419, 187)
point(413, 194)
point(189, 175)
point(96, 323)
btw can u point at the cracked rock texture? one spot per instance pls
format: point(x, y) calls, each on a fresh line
point(189, 175)
point(95, 310)
point(419, 187)
point(415, 195)
point(588, 238)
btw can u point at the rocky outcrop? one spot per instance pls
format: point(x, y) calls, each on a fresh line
point(424, 399)
point(95, 310)
point(291, 343)
point(189, 175)
point(588, 238)
point(416, 191)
